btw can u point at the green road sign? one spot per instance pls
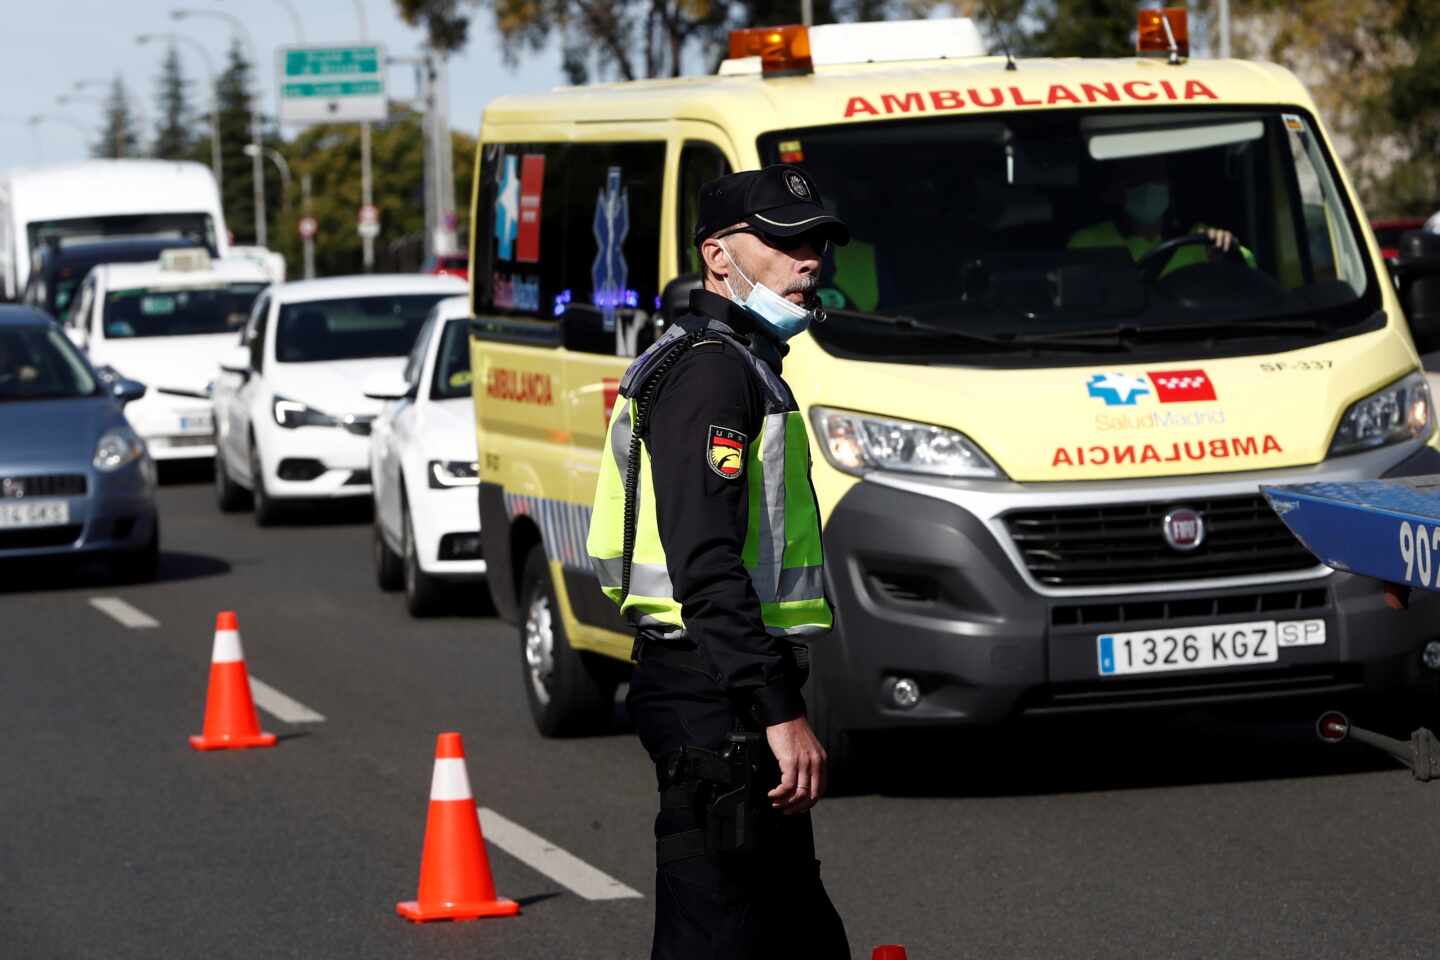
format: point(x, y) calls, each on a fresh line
point(331, 84)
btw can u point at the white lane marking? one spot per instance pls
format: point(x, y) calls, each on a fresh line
point(559, 865)
point(279, 706)
point(120, 611)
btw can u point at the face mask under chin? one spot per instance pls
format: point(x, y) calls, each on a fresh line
point(780, 317)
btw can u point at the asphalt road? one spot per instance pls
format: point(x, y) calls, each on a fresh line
point(1124, 839)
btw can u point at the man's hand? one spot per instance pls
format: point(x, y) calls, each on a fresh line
point(802, 766)
point(1223, 239)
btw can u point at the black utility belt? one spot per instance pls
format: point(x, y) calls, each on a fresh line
point(681, 651)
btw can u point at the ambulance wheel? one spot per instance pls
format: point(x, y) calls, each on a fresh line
point(568, 693)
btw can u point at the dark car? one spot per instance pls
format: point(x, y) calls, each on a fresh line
point(1388, 233)
point(75, 479)
point(58, 267)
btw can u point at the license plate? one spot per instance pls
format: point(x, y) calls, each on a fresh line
point(197, 423)
point(1203, 648)
point(35, 513)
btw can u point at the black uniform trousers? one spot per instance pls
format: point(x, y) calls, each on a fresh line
point(732, 906)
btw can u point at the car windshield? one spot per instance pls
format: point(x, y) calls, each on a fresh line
point(178, 312)
point(981, 233)
point(352, 328)
point(452, 362)
point(38, 363)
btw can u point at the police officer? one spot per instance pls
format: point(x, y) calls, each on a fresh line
point(706, 532)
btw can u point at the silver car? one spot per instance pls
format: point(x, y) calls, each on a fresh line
point(75, 479)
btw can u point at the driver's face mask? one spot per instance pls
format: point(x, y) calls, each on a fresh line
point(1147, 202)
point(783, 318)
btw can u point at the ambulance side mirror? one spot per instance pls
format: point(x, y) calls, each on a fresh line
point(675, 298)
point(1417, 277)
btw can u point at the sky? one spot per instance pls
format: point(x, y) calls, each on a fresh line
point(46, 47)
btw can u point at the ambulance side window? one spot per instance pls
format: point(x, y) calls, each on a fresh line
point(699, 164)
point(611, 274)
point(520, 224)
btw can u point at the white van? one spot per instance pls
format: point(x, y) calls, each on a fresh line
point(105, 199)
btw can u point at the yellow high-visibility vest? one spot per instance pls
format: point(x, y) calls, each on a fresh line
point(782, 552)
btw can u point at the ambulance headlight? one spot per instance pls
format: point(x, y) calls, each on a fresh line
point(858, 443)
point(1399, 412)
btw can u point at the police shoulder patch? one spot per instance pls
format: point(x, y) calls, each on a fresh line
point(725, 451)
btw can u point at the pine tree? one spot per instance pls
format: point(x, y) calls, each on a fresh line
point(234, 93)
point(173, 140)
point(118, 136)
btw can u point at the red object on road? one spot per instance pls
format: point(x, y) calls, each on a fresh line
point(231, 722)
point(455, 880)
point(889, 951)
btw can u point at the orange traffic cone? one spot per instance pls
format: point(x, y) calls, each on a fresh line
point(230, 719)
point(455, 881)
point(888, 951)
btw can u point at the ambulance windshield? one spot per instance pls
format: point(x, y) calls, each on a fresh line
point(1084, 231)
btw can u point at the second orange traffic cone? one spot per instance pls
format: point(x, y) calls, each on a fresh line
point(455, 880)
point(231, 722)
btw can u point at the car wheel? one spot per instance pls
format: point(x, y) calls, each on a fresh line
point(389, 574)
point(568, 691)
point(138, 566)
point(422, 591)
point(230, 497)
point(266, 509)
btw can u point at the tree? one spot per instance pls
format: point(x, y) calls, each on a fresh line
point(330, 155)
point(173, 140)
point(118, 137)
point(234, 95)
point(630, 39)
point(1076, 28)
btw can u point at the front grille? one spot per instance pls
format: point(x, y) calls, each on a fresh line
point(39, 537)
point(43, 485)
point(1123, 543)
point(1195, 690)
point(187, 440)
point(358, 478)
point(1137, 612)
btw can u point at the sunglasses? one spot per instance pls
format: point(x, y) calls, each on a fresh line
point(818, 241)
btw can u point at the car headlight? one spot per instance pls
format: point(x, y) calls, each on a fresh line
point(1399, 412)
point(117, 448)
point(292, 413)
point(108, 375)
point(857, 443)
point(453, 473)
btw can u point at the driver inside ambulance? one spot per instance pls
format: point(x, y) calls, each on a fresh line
point(1140, 195)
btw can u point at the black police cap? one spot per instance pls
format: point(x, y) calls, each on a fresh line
point(781, 200)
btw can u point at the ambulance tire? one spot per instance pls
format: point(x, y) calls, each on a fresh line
point(569, 692)
point(844, 772)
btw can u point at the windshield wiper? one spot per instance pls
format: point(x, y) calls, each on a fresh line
point(1012, 341)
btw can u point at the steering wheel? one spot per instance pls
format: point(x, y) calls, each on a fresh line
point(1153, 262)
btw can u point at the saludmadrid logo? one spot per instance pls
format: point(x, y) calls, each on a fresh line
point(1160, 420)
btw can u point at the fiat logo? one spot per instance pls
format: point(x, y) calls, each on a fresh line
point(12, 487)
point(1184, 529)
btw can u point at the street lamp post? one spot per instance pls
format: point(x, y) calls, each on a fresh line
point(367, 198)
point(278, 159)
point(257, 163)
point(209, 65)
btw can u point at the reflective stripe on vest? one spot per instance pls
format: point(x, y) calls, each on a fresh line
point(781, 553)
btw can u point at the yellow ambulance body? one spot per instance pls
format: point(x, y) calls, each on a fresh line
point(1037, 456)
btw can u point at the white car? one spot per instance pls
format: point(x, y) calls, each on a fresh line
point(166, 324)
point(291, 420)
point(423, 465)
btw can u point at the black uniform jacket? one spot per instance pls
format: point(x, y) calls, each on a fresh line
point(702, 512)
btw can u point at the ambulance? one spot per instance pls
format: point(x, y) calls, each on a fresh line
point(1089, 308)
